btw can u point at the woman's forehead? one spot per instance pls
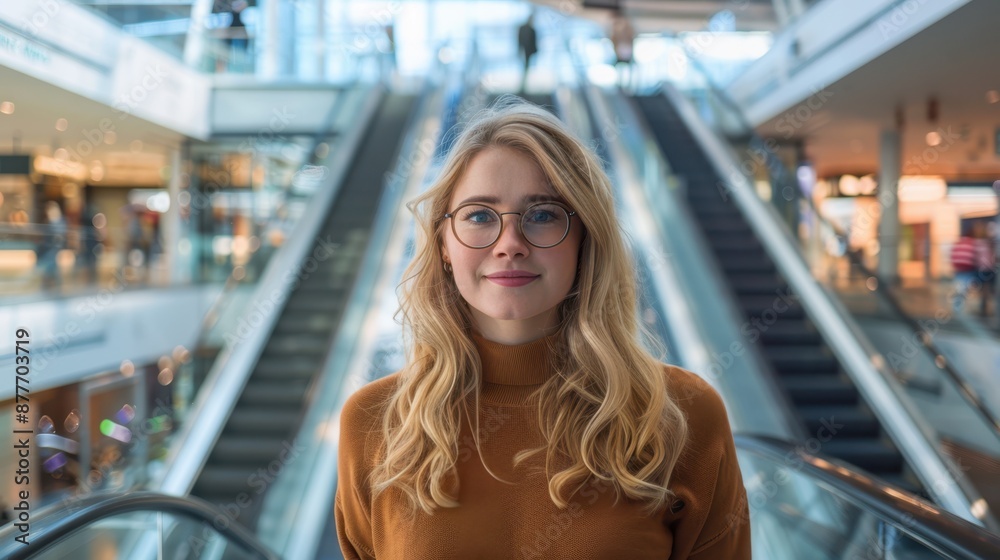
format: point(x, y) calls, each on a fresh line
point(503, 175)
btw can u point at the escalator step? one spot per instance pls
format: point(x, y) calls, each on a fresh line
point(737, 244)
point(789, 332)
point(705, 211)
point(727, 228)
point(305, 321)
point(286, 369)
point(223, 483)
point(756, 305)
point(329, 305)
point(809, 389)
point(763, 283)
point(733, 266)
point(246, 450)
point(798, 359)
point(297, 344)
point(263, 422)
point(283, 392)
point(839, 421)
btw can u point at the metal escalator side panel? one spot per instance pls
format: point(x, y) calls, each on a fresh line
point(856, 372)
point(258, 440)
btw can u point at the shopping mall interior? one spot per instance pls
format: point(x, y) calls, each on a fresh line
point(204, 222)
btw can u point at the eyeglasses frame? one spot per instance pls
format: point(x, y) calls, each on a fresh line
point(520, 223)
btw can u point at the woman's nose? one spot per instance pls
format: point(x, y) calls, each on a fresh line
point(511, 241)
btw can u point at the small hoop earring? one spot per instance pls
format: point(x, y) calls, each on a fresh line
point(447, 267)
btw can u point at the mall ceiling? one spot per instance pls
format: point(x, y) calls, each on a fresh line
point(649, 16)
point(34, 125)
point(954, 62)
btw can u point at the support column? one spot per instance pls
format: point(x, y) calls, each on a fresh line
point(320, 45)
point(277, 39)
point(194, 45)
point(890, 167)
point(176, 262)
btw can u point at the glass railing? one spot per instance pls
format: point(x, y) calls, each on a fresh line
point(138, 412)
point(945, 380)
point(51, 259)
point(137, 526)
point(802, 506)
point(276, 214)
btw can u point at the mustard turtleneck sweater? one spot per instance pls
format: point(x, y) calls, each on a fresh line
point(496, 520)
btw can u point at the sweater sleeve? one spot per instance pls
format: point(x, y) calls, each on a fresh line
point(715, 522)
point(727, 529)
point(352, 506)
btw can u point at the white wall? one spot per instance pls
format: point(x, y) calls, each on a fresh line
point(73, 338)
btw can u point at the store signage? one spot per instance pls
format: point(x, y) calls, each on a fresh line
point(60, 168)
point(18, 46)
point(15, 165)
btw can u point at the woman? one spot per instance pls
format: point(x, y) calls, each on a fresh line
point(529, 421)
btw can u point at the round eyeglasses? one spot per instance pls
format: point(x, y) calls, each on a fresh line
point(543, 224)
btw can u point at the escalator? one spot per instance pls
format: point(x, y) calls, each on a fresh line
point(817, 510)
point(824, 398)
point(258, 438)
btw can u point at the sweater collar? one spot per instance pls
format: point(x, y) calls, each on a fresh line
point(530, 363)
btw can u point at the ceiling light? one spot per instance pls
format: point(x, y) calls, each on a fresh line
point(7, 108)
point(992, 96)
point(933, 138)
point(62, 125)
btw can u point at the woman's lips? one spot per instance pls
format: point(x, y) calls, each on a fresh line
point(512, 279)
point(512, 282)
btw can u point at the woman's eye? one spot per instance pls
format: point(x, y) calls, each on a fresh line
point(540, 217)
point(478, 217)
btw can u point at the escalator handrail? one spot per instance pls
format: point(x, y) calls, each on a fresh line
point(923, 520)
point(222, 388)
point(58, 521)
point(775, 165)
point(910, 431)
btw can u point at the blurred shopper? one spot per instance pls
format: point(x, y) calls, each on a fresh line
point(985, 267)
point(90, 244)
point(51, 241)
point(525, 390)
point(527, 43)
point(623, 36)
point(996, 256)
point(963, 262)
point(237, 38)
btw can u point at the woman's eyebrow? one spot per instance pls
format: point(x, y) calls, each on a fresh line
point(525, 199)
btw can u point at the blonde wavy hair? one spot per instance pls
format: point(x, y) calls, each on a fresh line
point(606, 415)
